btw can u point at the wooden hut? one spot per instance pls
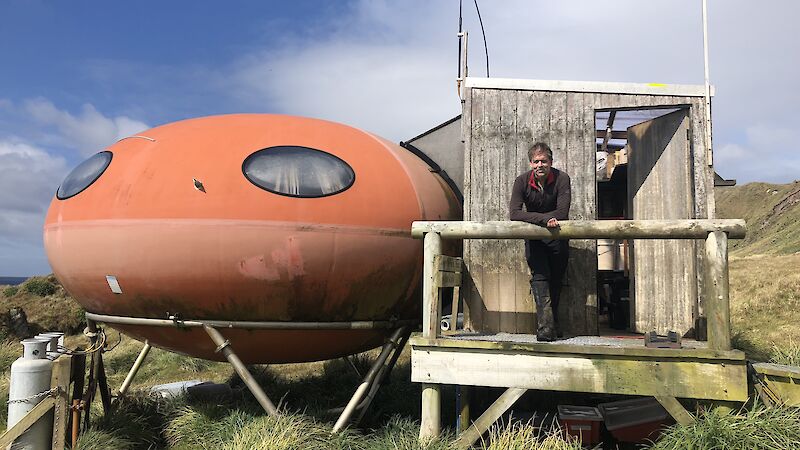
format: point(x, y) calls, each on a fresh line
point(676, 278)
point(670, 178)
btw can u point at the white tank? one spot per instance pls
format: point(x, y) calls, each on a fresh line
point(30, 375)
point(55, 339)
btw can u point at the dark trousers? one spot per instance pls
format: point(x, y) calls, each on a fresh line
point(547, 260)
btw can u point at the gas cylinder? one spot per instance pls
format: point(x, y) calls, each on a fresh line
point(30, 376)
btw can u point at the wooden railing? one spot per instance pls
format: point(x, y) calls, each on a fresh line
point(715, 295)
point(57, 400)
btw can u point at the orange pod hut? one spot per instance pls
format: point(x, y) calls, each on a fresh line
point(290, 235)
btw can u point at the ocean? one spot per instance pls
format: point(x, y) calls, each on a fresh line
point(13, 281)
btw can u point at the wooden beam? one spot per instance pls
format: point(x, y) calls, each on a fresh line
point(432, 311)
point(29, 419)
point(60, 378)
point(448, 279)
point(583, 229)
point(525, 343)
point(675, 377)
point(675, 409)
point(449, 263)
point(609, 131)
point(601, 134)
point(489, 417)
point(717, 303)
point(783, 381)
point(600, 87)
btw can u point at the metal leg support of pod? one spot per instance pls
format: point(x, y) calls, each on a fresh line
point(97, 375)
point(224, 346)
point(134, 369)
point(374, 377)
point(384, 373)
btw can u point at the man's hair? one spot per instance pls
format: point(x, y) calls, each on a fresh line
point(541, 148)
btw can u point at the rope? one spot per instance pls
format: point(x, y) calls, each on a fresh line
point(100, 340)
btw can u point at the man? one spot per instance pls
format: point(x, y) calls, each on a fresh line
point(542, 197)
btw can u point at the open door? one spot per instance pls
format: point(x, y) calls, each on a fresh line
point(660, 186)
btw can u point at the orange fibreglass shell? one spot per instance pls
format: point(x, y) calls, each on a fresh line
point(237, 252)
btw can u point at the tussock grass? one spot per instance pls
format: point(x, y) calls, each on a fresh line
point(788, 354)
point(402, 433)
point(289, 432)
point(47, 305)
point(41, 286)
point(757, 428)
point(206, 428)
point(10, 291)
point(521, 436)
point(9, 352)
point(94, 439)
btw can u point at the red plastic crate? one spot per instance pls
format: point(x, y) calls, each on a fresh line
point(639, 420)
point(582, 422)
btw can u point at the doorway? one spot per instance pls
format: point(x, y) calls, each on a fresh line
point(644, 172)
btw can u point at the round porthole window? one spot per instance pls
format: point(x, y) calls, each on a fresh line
point(298, 171)
point(84, 175)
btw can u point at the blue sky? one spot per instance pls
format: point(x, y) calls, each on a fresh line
point(77, 76)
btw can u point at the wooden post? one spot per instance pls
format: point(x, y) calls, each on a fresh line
point(432, 308)
point(716, 295)
point(500, 406)
point(62, 371)
point(675, 409)
point(431, 323)
point(464, 398)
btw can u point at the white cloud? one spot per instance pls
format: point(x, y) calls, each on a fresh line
point(89, 131)
point(28, 179)
point(390, 68)
point(763, 155)
point(35, 140)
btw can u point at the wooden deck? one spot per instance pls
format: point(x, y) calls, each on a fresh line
point(596, 364)
point(592, 364)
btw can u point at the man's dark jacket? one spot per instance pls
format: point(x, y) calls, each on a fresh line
point(532, 205)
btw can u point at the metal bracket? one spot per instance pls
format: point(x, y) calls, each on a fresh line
point(222, 346)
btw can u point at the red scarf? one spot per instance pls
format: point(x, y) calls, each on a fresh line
point(550, 178)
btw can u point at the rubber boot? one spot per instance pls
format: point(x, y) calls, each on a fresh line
point(555, 294)
point(544, 311)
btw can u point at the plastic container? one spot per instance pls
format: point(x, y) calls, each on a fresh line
point(582, 422)
point(638, 420)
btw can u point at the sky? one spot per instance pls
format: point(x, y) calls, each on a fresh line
point(77, 76)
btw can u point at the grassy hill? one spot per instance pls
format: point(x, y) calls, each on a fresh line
point(772, 212)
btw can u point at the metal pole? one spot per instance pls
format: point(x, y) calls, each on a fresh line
point(224, 346)
point(384, 373)
point(134, 369)
point(709, 152)
point(76, 421)
point(356, 325)
point(368, 380)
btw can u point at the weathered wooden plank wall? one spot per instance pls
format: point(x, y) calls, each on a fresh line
point(498, 128)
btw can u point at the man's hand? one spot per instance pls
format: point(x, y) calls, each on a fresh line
point(552, 223)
